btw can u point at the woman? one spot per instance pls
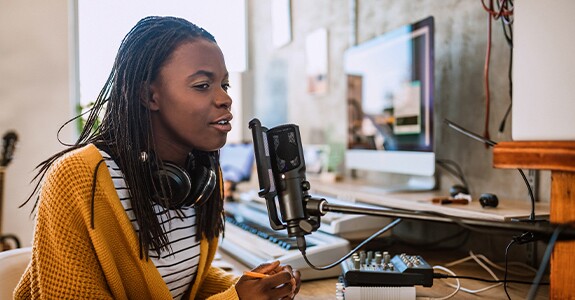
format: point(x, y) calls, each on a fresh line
point(134, 209)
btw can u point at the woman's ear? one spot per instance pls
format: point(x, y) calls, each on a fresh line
point(151, 100)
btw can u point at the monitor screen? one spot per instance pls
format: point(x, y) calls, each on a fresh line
point(390, 101)
point(237, 161)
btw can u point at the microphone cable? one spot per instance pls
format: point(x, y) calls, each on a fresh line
point(302, 247)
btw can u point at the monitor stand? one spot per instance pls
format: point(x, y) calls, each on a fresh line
point(421, 183)
point(398, 183)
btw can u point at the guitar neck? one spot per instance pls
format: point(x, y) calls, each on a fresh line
point(2, 171)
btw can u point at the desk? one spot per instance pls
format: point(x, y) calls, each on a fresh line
point(324, 289)
point(507, 210)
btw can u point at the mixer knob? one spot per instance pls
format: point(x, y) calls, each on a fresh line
point(386, 257)
point(362, 257)
point(378, 258)
point(356, 263)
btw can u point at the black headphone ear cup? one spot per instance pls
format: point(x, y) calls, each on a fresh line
point(202, 187)
point(488, 200)
point(202, 170)
point(177, 182)
point(193, 185)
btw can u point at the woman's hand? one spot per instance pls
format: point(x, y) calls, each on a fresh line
point(281, 282)
point(295, 281)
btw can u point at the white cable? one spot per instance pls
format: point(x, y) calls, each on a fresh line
point(457, 287)
point(470, 291)
point(459, 261)
point(494, 265)
point(476, 259)
point(479, 262)
point(498, 267)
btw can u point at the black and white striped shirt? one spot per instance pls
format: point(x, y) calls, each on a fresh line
point(178, 267)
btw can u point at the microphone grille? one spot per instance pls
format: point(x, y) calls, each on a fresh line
point(286, 149)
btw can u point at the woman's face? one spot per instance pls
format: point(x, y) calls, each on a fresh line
point(190, 106)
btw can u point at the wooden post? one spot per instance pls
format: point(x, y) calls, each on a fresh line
point(559, 158)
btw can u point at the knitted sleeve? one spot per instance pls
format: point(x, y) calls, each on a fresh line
point(64, 264)
point(218, 285)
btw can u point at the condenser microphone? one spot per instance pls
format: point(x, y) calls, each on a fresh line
point(288, 168)
point(281, 172)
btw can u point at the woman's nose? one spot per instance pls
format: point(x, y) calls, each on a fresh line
point(224, 100)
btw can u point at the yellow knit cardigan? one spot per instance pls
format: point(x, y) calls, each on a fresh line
point(70, 260)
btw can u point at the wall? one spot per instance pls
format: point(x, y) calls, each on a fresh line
point(460, 46)
point(34, 96)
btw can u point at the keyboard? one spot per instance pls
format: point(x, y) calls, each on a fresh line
point(249, 238)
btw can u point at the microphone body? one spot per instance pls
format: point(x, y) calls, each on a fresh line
point(291, 199)
point(281, 172)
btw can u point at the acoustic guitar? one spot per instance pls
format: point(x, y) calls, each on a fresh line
point(9, 145)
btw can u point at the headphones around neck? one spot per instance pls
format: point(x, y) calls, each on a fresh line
point(191, 185)
point(182, 187)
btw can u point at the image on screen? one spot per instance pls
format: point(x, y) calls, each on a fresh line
point(390, 90)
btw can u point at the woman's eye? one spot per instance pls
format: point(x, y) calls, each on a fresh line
point(202, 86)
point(226, 86)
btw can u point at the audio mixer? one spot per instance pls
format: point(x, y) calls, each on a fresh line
point(379, 268)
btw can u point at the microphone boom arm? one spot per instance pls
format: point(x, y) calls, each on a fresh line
point(320, 206)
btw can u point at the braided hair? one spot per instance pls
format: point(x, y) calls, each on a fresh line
point(125, 129)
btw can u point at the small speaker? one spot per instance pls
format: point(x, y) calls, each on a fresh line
point(488, 200)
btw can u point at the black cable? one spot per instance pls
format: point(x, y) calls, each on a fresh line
point(510, 78)
point(506, 266)
point(449, 169)
point(532, 215)
point(301, 246)
point(458, 172)
point(504, 120)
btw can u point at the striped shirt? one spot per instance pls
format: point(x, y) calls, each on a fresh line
point(178, 267)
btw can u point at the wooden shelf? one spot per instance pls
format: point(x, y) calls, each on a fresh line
point(554, 156)
point(559, 158)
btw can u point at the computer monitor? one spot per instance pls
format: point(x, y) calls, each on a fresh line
point(237, 161)
point(390, 104)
